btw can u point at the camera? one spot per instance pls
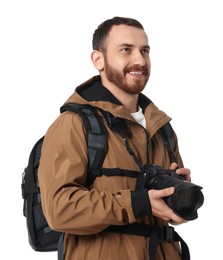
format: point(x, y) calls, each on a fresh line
point(187, 197)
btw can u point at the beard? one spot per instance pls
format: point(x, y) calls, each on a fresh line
point(118, 79)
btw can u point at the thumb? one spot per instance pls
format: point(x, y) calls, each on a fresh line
point(168, 191)
point(157, 194)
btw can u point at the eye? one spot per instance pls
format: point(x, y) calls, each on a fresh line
point(145, 51)
point(126, 49)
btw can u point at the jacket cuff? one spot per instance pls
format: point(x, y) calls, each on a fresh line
point(141, 203)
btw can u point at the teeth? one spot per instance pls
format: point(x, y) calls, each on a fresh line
point(136, 72)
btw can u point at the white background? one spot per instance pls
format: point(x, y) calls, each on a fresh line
point(45, 51)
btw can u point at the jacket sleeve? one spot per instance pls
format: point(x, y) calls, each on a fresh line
point(67, 204)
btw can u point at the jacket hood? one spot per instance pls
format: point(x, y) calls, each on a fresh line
point(93, 93)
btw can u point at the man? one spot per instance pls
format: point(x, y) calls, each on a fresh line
point(85, 214)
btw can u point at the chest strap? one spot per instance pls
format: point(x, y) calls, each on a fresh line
point(156, 233)
point(115, 172)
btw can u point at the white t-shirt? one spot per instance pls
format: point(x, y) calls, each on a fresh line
point(139, 117)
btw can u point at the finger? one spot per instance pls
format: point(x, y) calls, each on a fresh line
point(157, 194)
point(175, 219)
point(180, 221)
point(173, 166)
point(185, 172)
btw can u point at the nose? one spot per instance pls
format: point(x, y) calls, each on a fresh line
point(138, 58)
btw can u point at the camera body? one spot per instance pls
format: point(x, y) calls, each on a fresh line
point(187, 197)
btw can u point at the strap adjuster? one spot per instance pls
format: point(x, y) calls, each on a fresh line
point(166, 233)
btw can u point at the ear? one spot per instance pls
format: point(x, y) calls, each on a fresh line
point(98, 60)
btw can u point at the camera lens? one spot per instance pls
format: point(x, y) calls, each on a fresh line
point(186, 199)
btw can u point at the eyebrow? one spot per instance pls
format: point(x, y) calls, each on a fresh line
point(131, 45)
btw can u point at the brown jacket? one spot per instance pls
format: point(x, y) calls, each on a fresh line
point(83, 213)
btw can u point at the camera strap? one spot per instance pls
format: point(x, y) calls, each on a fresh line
point(140, 177)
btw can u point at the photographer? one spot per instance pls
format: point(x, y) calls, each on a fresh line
point(115, 217)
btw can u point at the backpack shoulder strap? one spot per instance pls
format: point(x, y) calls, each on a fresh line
point(95, 135)
point(167, 133)
point(96, 141)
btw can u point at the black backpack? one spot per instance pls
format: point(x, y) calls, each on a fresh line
point(41, 237)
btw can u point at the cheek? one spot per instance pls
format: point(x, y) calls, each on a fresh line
point(116, 62)
point(148, 62)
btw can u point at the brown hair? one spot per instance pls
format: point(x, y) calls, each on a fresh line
point(101, 33)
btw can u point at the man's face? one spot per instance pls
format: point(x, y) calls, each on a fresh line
point(126, 61)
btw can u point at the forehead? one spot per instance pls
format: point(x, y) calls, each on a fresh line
point(123, 34)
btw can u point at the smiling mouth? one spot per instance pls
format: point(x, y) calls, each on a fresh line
point(136, 72)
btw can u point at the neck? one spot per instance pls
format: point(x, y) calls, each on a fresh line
point(129, 101)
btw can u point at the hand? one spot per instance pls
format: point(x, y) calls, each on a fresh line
point(160, 208)
point(181, 171)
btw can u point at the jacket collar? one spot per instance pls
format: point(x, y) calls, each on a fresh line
point(93, 90)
